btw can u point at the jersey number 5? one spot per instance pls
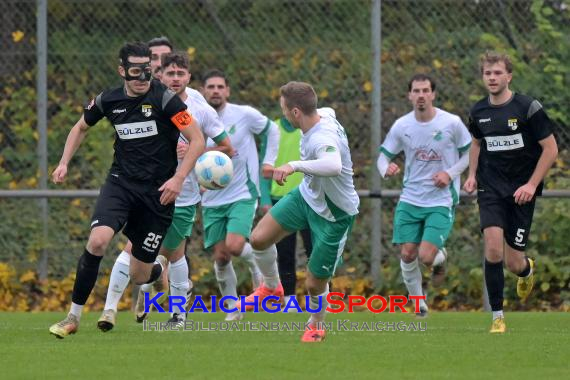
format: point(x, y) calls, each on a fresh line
point(520, 235)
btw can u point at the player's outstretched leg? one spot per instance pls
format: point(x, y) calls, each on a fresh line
point(439, 267)
point(180, 286)
point(159, 265)
point(315, 331)
point(117, 284)
point(271, 286)
point(525, 282)
point(86, 276)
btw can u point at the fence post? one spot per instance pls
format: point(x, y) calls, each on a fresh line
point(375, 140)
point(41, 87)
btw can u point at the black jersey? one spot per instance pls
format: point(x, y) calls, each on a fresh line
point(145, 137)
point(510, 150)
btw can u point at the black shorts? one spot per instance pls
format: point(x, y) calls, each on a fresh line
point(138, 206)
point(514, 219)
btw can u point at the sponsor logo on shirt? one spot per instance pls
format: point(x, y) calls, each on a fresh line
point(512, 123)
point(120, 110)
point(502, 143)
point(146, 110)
point(487, 120)
point(427, 155)
point(232, 130)
point(130, 131)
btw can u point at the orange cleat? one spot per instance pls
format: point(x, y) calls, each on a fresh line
point(312, 334)
point(262, 292)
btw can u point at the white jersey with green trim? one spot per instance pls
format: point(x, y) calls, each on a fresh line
point(241, 123)
point(212, 127)
point(319, 192)
point(429, 148)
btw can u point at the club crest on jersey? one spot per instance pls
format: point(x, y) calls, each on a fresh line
point(512, 123)
point(437, 135)
point(146, 110)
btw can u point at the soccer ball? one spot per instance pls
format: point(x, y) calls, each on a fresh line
point(214, 170)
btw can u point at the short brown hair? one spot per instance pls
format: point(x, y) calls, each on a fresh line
point(300, 95)
point(492, 57)
point(179, 59)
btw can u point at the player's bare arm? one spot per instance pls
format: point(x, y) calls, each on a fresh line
point(74, 139)
point(525, 193)
point(470, 184)
point(191, 131)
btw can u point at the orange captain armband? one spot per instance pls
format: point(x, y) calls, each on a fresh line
point(182, 119)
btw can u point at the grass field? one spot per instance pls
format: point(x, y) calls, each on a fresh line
point(454, 346)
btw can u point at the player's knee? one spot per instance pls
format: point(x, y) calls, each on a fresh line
point(493, 254)
point(258, 242)
point(408, 255)
point(235, 248)
point(427, 257)
point(97, 245)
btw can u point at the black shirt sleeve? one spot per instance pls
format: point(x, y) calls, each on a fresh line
point(93, 111)
point(539, 123)
point(172, 104)
point(474, 128)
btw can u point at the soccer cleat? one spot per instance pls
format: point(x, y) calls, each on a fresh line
point(438, 271)
point(498, 326)
point(312, 334)
point(68, 326)
point(423, 313)
point(107, 320)
point(234, 316)
point(140, 314)
point(262, 292)
point(525, 284)
point(177, 320)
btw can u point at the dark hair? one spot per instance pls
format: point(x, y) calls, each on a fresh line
point(178, 58)
point(300, 95)
point(215, 73)
point(133, 49)
point(492, 57)
point(160, 41)
point(421, 78)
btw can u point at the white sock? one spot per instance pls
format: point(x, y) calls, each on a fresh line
point(227, 281)
point(179, 284)
point(147, 288)
point(76, 310)
point(413, 279)
point(498, 314)
point(314, 303)
point(267, 264)
point(249, 257)
point(118, 281)
point(439, 258)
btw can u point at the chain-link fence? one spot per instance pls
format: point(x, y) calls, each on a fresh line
point(261, 44)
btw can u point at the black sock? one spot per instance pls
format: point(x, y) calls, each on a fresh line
point(526, 270)
point(85, 278)
point(495, 280)
point(155, 273)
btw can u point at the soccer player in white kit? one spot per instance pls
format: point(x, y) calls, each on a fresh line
point(435, 144)
point(325, 202)
point(228, 213)
point(176, 76)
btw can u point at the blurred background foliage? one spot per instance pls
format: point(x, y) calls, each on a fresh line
point(262, 44)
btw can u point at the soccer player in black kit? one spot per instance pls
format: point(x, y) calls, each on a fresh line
point(513, 148)
point(143, 181)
